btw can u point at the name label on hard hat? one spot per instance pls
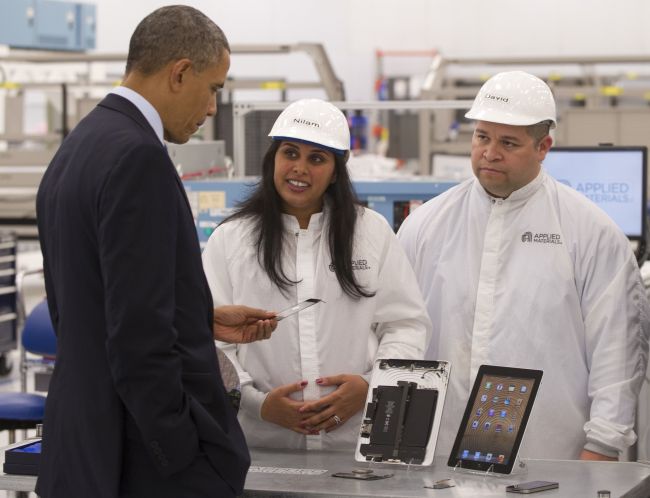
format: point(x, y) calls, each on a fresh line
point(306, 122)
point(496, 97)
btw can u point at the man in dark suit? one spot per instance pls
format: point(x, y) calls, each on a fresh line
point(136, 406)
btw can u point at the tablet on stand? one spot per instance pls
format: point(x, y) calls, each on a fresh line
point(494, 421)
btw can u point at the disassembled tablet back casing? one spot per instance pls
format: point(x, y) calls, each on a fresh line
point(403, 412)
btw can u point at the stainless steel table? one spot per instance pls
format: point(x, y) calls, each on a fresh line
point(296, 473)
point(279, 473)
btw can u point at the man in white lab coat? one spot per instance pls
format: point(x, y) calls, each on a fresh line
point(519, 270)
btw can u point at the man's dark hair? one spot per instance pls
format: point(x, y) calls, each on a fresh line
point(264, 207)
point(172, 33)
point(539, 130)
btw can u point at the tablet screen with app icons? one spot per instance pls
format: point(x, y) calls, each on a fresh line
point(495, 418)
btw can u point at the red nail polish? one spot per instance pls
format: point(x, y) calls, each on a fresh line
point(319, 381)
point(303, 383)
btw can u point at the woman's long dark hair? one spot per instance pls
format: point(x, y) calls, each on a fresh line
point(264, 206)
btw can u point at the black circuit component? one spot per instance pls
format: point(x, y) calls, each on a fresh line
point(398, 422)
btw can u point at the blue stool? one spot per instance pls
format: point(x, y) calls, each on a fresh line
point(21, 410)
point(38, 333)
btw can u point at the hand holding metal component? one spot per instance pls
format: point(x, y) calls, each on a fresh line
point(297, 308)
point(241, 324)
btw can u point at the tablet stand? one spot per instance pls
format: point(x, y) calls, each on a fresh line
point(411, 467)
point(518, 468)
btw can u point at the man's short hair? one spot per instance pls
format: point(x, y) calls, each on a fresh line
point(539, 130)
point(172, 33)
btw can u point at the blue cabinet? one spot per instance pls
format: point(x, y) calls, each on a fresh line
point(48, 25)
point(17, 23)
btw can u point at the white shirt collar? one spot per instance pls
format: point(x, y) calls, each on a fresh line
point(143, 105)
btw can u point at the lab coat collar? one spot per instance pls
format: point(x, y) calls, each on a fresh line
point(523, 194)
point(315, 222)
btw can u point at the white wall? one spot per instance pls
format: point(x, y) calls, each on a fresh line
point(351, 31)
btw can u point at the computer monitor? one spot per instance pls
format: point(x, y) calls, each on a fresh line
point(612, 177)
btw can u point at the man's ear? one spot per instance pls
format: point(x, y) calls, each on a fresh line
point(544, 146)
point(178, 72)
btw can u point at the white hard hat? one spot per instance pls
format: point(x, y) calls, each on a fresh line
point(314, 121)
point(514, 98)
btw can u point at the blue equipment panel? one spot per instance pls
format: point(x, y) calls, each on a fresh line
point(48, 25)
point(87, 26)
point(212, 201)
point(17, 23)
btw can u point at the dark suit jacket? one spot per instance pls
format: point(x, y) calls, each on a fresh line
point(136, 406)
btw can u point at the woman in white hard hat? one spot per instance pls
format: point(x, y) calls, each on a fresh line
point(302, 234)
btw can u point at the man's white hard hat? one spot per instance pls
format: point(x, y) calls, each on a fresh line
point(514, 98)
point(316, 122)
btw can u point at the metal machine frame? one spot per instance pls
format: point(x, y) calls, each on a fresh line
point(21, 168)
point(591, 103)
point(424, 108)
point(328, 81)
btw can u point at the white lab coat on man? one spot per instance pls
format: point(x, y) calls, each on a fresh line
point(341, 335)
point(544, 280)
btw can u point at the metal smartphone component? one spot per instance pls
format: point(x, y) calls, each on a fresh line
point(362, 477)
point(531, 487)
point(442, 484)
point(296, 308)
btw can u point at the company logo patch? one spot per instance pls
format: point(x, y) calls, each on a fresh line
point(357, 264)
point(541, 238)
point(306, 122)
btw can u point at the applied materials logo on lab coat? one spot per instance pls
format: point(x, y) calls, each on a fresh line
point(357, 264)
point(541, 238)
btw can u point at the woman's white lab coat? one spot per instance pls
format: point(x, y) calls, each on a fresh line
point(341, 335)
